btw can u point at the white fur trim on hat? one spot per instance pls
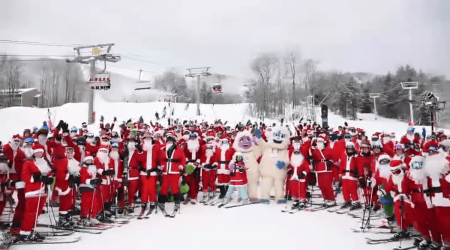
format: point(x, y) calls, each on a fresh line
point(384, 157)
point(38, 150)
point(88, 158)
point(417, 158)
point(445, 143)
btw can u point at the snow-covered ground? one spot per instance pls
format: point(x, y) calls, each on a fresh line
point(203, 227)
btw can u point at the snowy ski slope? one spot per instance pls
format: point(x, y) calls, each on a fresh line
point(202, 227)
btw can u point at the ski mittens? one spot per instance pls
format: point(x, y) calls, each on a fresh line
point(258, 133)
point(109, 172)
point(95, 181)
point(290, 172)
point(280, 164)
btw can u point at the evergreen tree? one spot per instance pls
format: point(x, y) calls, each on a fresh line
point(366, 101)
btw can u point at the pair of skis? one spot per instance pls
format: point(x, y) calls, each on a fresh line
point(389, 240)
point(147, 215)
point(8, 242)
point(237, 205)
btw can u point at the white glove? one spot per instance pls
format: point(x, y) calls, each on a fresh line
point(381, 193)
point(392, 193)
point(373, 182)
point(447, 178)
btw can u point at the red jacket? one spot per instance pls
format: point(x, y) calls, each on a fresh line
point(150, 160)
point(223, 158)
point(65, 168)
point(239, 176)
point(173, 163)
point(298, 164)
point(30, 167)
point(321, 158)
point(87, 173)
point(16, 161)
point(349, 167)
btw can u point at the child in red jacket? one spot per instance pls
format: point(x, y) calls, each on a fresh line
point(238, 179)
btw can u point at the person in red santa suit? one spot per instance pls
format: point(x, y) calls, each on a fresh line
point(105, 170)
point(436, 166)
point(16, 157)
point(388, 144)
point(36, 174)
point(117, 180)
point(351, 173)
point(366, 162)
point(409, 140)
point(131, 168)
point(67, 176)
point(4, 183)
point(184, 138)
point(403, 211)
point(91, 144)
point(173, 162)
point(192, 151)
point(209, 163)
point(149, 172)
point(322, 156)
point(115, 138)
point(48, 146)
point(88, 183)
point(224, 154)
point(413, 185)
point(297, 173)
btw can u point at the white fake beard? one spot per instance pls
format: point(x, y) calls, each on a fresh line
point(320, 146)
point(131, 146)
point(90, 140)
point(28, 151)
point(209, 153)
point(114, 155)
point(186, 137)
point(296, 146)
point(14, 146)
point(435, 166)
point(81, 147)
point(92, 169)
point(193, 145)
point(410, 137)
point(347, 141)
point(4, 168)
point(42, 139)
point(74, 166)
point(148, 145)
point(225, 147)
point(168, 146)
point(103, 157)
point(296, 160)
point(397, 179)
point(385, 171)
point(417, 175)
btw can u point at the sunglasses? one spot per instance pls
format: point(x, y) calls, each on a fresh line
point(384, 161)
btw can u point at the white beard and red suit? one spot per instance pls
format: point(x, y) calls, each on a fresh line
point(193, 153)
point(16, 159)
point(133, 170)
point(148, 175)
point(47, 145)
point(117, 164)
point(438, 191)
point(224, 154)
point(409, 140)
point(120, 142)
point(300, 169)
point(207, 160)
point(172, 160)
point(350, 171)
point(403, 206)
point(88, 172)
point(65, 172)
point(4, 181)
point(323, 165)
point(413, 185)
point(35, 190)
point(103, 163)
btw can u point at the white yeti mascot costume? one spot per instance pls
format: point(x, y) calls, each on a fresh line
point(274, 163)
point(246, 145)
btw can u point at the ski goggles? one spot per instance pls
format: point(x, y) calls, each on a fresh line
point(210, 147)
point(374, 138)
point(29, 141)
point(384, 161)
point(347, 136)
point(224, 141)
point(115, 145)
point(432, 149)
point(417, 165)
point(399, 146)
point(70, 150)
point(193, 135)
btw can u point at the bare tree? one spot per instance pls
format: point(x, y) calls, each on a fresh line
point(309, 69)
point(265, 68)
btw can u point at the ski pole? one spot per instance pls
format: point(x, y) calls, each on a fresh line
point(37, 208)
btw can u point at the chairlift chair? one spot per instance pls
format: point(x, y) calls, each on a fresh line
point(141, 84)
point(217, 88)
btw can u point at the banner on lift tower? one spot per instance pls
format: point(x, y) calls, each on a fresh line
point(324, 116)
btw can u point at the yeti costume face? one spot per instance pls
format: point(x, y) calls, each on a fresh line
point(244, 142)
point(279, 138)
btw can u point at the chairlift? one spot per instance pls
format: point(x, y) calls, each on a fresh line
point(217, 88)
point(141, 84)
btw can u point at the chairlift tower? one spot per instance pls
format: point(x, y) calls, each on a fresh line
point(198, 72)
point(99, 52)
point(375, 96)
point(410, 86)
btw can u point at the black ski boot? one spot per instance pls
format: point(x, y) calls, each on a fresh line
point(120, 210)
point(434, 246)
point(22, 238)
point(65, 220)
point(356, 205)
point(142, 212)
point(152, 208)
point(404, 234)
point(205, 197)
point(296, 205)
point(423, 245)
point(302, 205)
point(346, 204)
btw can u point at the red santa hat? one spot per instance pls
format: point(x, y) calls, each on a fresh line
point(88, 156)
point(16, 137)
point(38, 148)
point(384, 157)
point(417, 158)
point(396, 165)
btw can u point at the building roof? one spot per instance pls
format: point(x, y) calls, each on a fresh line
point(17, 91)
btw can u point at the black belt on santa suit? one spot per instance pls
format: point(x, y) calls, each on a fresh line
point(224, 162)
point(188, 161)
point(432, 190)
point(172, 160)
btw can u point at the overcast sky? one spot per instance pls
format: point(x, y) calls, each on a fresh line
point(348, 35)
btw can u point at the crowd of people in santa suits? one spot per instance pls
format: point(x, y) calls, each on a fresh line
point(408, 179)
